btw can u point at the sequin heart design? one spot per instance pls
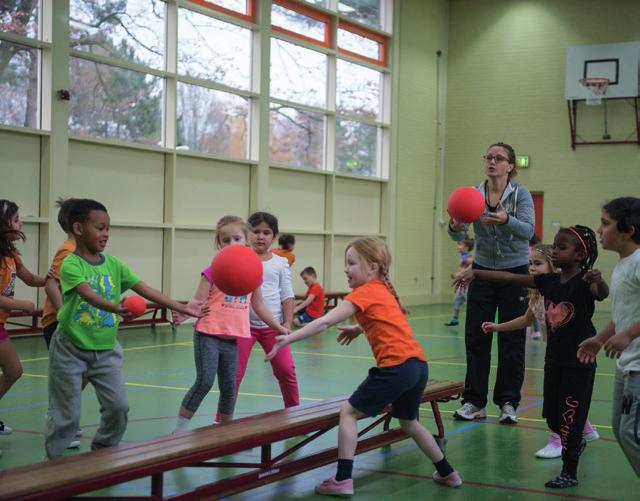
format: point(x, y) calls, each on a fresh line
point(559, 314)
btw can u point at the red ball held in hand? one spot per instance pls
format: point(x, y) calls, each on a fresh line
point(236, 270)
point(465, 204)
point(136, 305)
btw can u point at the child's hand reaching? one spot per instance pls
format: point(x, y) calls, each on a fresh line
point(617, 344)
point(284, 331)
point(281, 343)
point(348, 333)
point(124, 312)
point(463, 278)
point(197, 309)
point(488, 327)
point(592, 277)
point(588, 350)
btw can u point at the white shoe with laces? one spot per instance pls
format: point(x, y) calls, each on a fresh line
point(4, 429)
point(508, 414)
point(469, 412)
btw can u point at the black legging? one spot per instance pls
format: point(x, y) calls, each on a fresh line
point(567, 398)
point(511, 301)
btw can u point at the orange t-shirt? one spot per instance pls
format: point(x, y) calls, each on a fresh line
point(288, 255)
point(386, 326)
point(8, 274)
point(315, 309)
point(49, 312)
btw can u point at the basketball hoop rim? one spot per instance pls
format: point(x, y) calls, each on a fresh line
point(597, 85)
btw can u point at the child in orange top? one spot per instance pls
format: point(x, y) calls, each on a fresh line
point(287, 243)
point(313, 305)
point(11, 266)
point(54, 298)
point(400, 375)
point(216, 334)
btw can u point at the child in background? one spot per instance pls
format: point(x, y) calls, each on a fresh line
point(401, 371)
point(277, 294)
point(313, 305)
point(84, 344)
point(540, 262)
point(569, 302)
point(11, 266)
point(287, 243)
point(53, 301)
point(620, 232)
point(464, 247)
point(216, 334)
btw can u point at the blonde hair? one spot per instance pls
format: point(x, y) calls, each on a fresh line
point(375, 251)
point(546, 251)
point(229, 220)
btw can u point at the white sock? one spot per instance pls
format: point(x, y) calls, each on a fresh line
point(182, 423)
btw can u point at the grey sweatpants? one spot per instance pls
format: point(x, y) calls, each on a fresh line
point(626, 415)
point(103, 369)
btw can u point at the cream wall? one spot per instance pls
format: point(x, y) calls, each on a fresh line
point(506, 83)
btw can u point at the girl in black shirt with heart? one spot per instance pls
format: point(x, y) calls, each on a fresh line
point(569, 303)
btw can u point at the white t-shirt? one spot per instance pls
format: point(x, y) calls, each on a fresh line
point(276, 287)
point(625, 306)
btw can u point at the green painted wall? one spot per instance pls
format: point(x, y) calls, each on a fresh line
point(504, 82)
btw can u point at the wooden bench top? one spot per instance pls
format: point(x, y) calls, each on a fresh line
point(186, 448)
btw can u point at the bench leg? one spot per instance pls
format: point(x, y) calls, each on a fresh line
point(265, 456)
point(156, 486)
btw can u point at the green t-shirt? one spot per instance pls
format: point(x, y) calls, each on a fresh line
point(86, 326)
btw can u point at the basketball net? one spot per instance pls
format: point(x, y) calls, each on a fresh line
point(595, 89)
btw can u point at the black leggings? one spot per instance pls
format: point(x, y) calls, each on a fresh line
point(567, 398)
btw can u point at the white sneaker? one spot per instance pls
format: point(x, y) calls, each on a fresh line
point(74, 444)
point(549, 451)
point(4, 429)
point(79, 433)
point(469, 412)
point(591, 436)
point(508, 414)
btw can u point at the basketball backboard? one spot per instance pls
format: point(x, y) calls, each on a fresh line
point(619, 62)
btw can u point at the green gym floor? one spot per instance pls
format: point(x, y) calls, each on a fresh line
point(495, 461)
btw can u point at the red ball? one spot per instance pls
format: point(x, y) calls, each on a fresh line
point(236, 270)
point(137, 305)
point(466, 204)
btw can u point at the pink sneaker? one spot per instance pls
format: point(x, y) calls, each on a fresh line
point(453, 479)
point(331, 487)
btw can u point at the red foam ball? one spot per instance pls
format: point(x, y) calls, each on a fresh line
point(137, 305)
point(466, 204)
point(236, 270)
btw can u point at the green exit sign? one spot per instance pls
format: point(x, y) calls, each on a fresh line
point(522, 161)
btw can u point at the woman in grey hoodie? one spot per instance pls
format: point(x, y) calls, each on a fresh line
point(502, 243)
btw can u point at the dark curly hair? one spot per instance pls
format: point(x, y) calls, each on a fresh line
point(8, 235)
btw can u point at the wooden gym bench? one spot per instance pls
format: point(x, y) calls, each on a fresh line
point(159, 315)
point(90, 471)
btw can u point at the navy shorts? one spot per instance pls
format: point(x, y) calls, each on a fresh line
point(304, 317)
point(401, 386)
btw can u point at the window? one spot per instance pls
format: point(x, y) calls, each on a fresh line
point(363, 11)
point(19, 85)
point(214, 50)
point(243, 9)
point(211, 121)
point(114, 103)
point(21, 18)
point(306, 24)
point(298, 74)
point(132, 30)
point(362, 44)
point(358, 90)
point(296, 137)
point(356, 148)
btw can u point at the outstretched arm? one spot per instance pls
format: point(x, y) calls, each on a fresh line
point(31, 279)
point(500, 277)
point(589, 348)
point(304, 303)
point(156, 296)
point(338, 314)
point(263, 312)
point(512, 325)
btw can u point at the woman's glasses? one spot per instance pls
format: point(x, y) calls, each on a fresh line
point(497, 158)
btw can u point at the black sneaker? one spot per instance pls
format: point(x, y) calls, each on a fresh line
point(453, 321)
point(562, 481)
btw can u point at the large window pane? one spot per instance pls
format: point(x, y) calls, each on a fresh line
point(296, 137)
point(356, 148)
point(131, 29)
point(211, 121)
point(214, 50)
point(358, 90)
point(298, 74)
point(20, 17)
point(364, 11)
point(19, 70)
point(298, 23)
point(114, 103)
